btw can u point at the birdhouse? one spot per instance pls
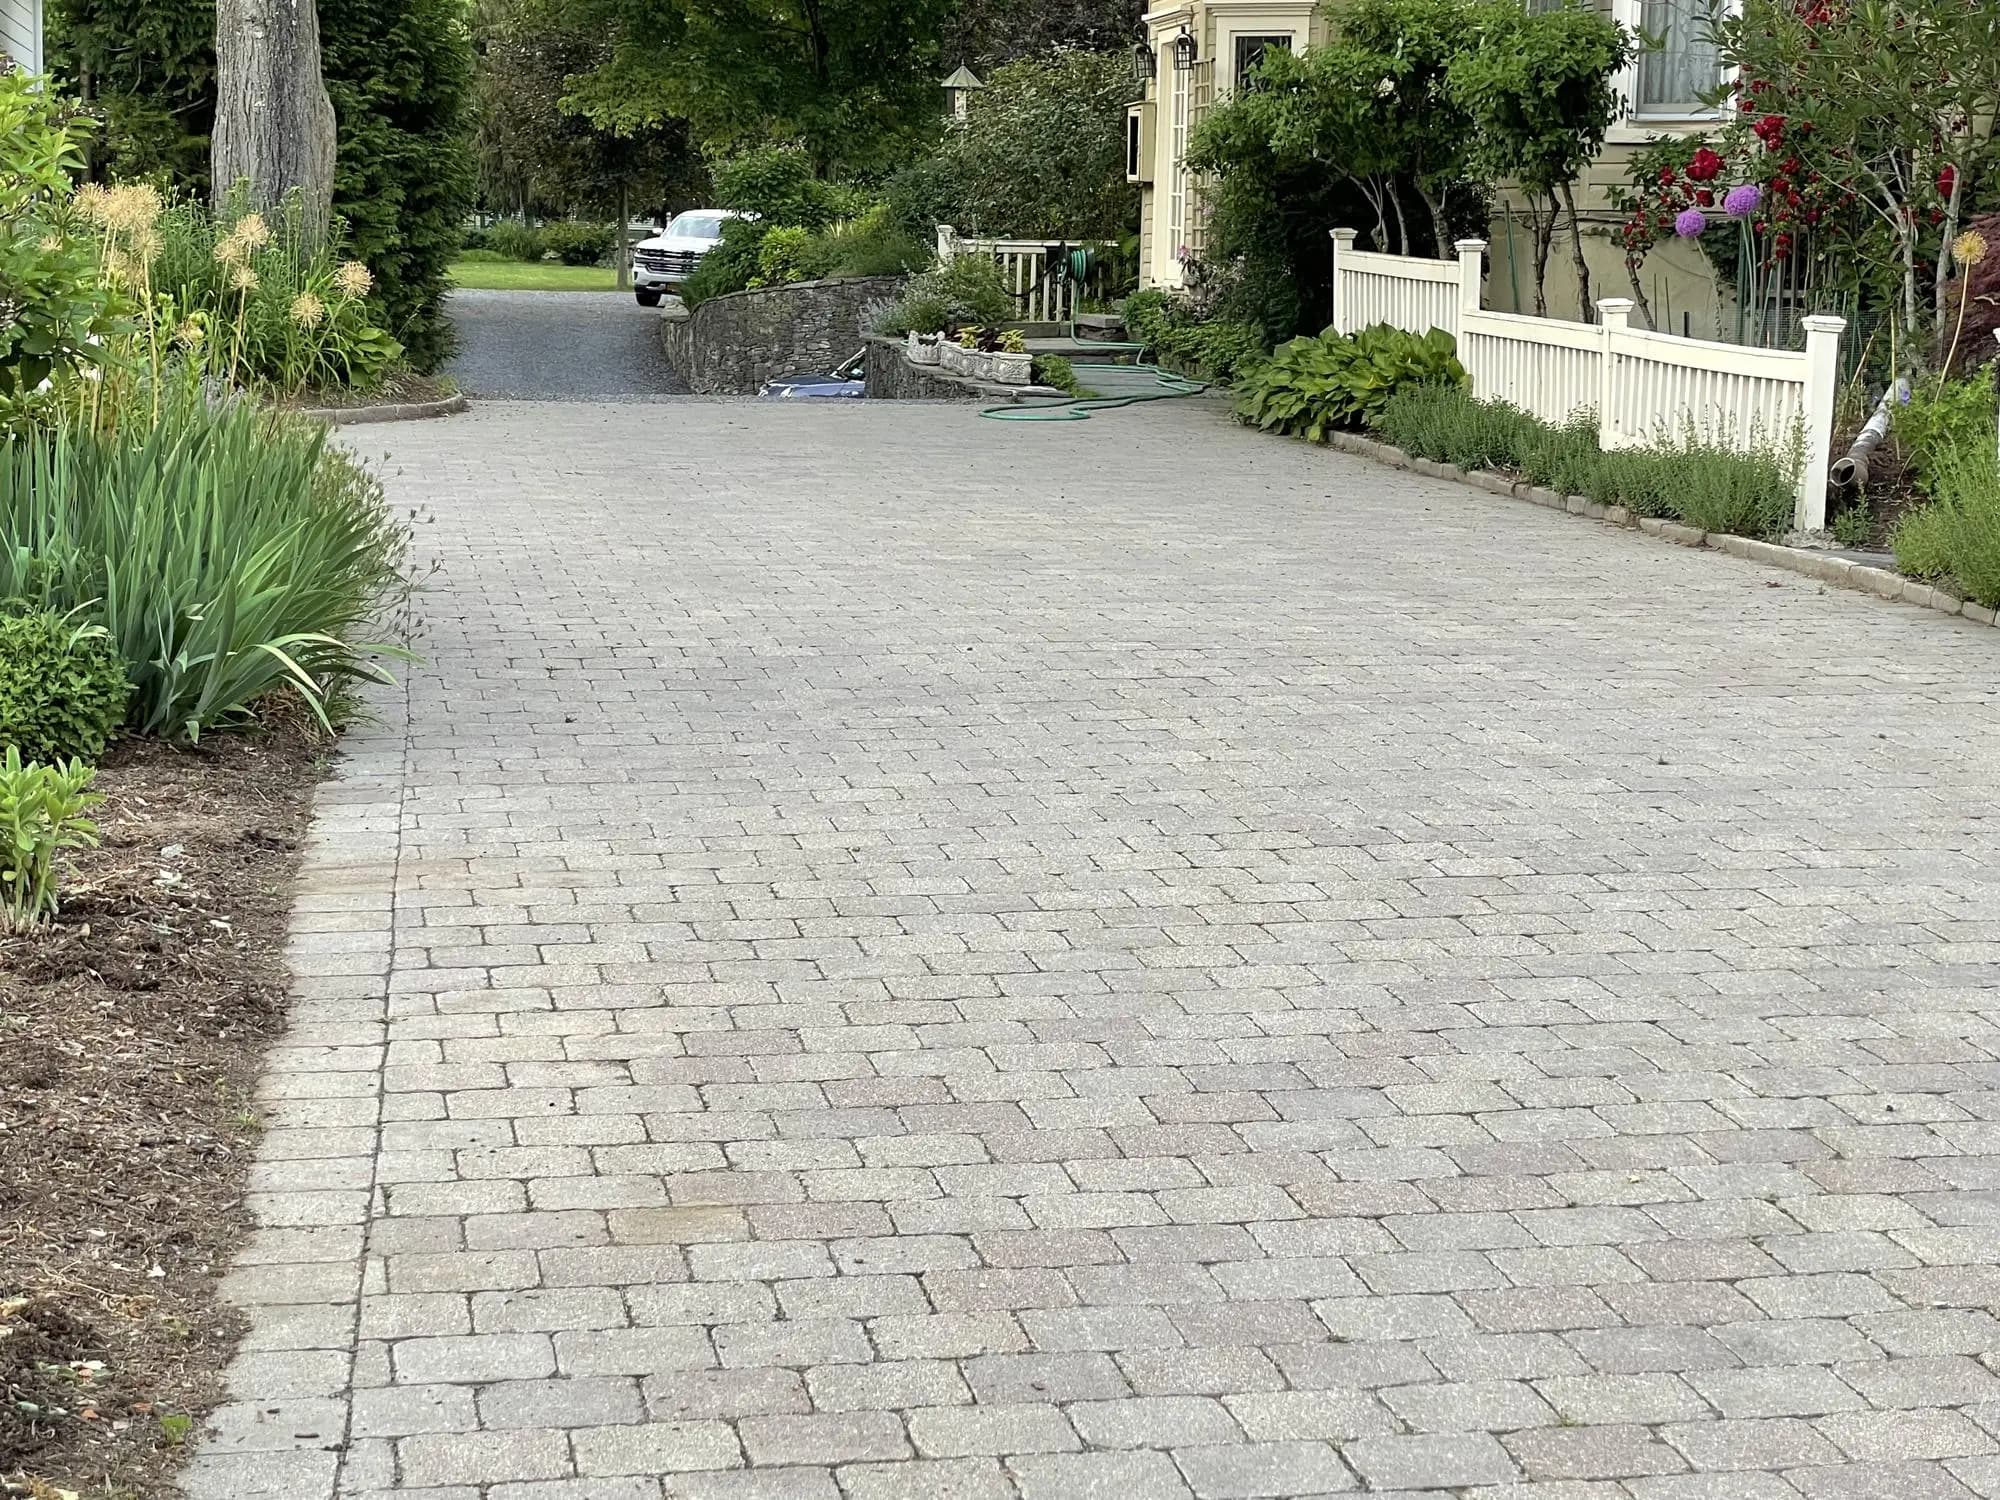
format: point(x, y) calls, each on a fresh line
point(958, 90)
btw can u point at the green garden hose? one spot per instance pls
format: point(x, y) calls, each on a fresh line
point(1128, 385)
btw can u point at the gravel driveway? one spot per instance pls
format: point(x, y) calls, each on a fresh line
point(559, 346)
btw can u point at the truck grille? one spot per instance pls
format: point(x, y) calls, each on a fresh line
point(669, 262)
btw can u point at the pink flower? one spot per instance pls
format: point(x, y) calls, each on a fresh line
point(1692, 221)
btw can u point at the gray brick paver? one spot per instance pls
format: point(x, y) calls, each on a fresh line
point(882, 955)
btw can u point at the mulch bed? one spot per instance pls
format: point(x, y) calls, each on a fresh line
point(131, 1033)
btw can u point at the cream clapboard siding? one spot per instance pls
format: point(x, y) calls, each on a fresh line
point(21, 32)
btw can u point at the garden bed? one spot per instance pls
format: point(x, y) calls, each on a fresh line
point(131, 1035)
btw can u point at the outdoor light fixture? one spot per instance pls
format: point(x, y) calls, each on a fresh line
point(1184, 52)
point(1142, 62)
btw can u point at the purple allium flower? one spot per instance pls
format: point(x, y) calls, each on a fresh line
point(1689, 223)
point(1742, 201)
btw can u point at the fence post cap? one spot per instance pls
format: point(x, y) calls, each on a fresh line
point(1615, 304)
point(1832, 323)
point(1470, 247)
point(1344, 236)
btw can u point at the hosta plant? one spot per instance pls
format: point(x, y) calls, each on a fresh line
point(41, 814)
point(1313, 386)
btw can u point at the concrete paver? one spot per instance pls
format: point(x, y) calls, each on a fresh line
point(887, 955)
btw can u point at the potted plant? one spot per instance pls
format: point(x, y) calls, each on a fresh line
point(1010, 363)
point(960, 355)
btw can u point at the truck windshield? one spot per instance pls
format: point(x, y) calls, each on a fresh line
point(697, 227)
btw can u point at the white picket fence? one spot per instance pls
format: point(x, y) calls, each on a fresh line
point(1023, 266)
point(1643, 387)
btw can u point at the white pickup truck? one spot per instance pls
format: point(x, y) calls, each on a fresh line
point(663, 263)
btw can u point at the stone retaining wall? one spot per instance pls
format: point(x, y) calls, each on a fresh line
point(731, 345)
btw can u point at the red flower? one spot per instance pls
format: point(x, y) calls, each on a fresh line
point(1780, 185)
point(1706, 166)
point(1705, 198)
point(1666, 176)
point(1947, 179)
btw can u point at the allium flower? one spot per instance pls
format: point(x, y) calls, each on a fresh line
point(1742, 201)
point(132, 206)
point(308, 311)
point(243, 279)
point(92, 201)
point(253, 231)
point(229, 251)
point(1690, 223)
point(1969, 249)
point(353, 279)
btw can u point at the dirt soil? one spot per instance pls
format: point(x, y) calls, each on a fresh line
point(131, 1033)
point(395, 391)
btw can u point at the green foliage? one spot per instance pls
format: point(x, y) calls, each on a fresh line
point(1313, 386)
point(1961, 526)
point(1689, 478)
point(41, 814)
point(1057, 373)
point(1540, 91)
point(62, 687)
point(1041, 152)
point(54, 312)
point(399, 73)
point(1923, 543)
point(1208, 349)
point(855, 81)
point(778, 185)
point(1895, 105)
point(989, 33)
point(304, 322)
point(149, 67)
point(917, 311)
point(536, 151)
point(781, 256)
point(1853, 526)
point(1941, 418)
point(871, 245)
point(227, 551)
point(579, 244)
point(972, 288)
point(513, 240)
point(730, 266)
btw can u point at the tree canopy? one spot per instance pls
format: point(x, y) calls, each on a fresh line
point(854, 81)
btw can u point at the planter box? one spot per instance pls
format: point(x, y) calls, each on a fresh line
point(1011, 369)
point(923, 348)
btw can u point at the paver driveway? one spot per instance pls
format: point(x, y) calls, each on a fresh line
point(1127, 959)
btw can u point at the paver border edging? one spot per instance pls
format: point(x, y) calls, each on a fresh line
point(1820, 565)
point(399, 411)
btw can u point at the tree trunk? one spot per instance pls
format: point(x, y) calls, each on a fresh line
point(622, 241)
point(274, 127)
point(1542, 216)
point(1576, 252)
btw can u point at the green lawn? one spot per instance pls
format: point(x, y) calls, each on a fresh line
point(522, 276)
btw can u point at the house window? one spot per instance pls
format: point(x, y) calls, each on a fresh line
point(1177, 180)
point(1673, 76)
point(1250, 51)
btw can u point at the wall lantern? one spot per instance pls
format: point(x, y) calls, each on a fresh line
point(1184, 52)
point(1142, 63)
